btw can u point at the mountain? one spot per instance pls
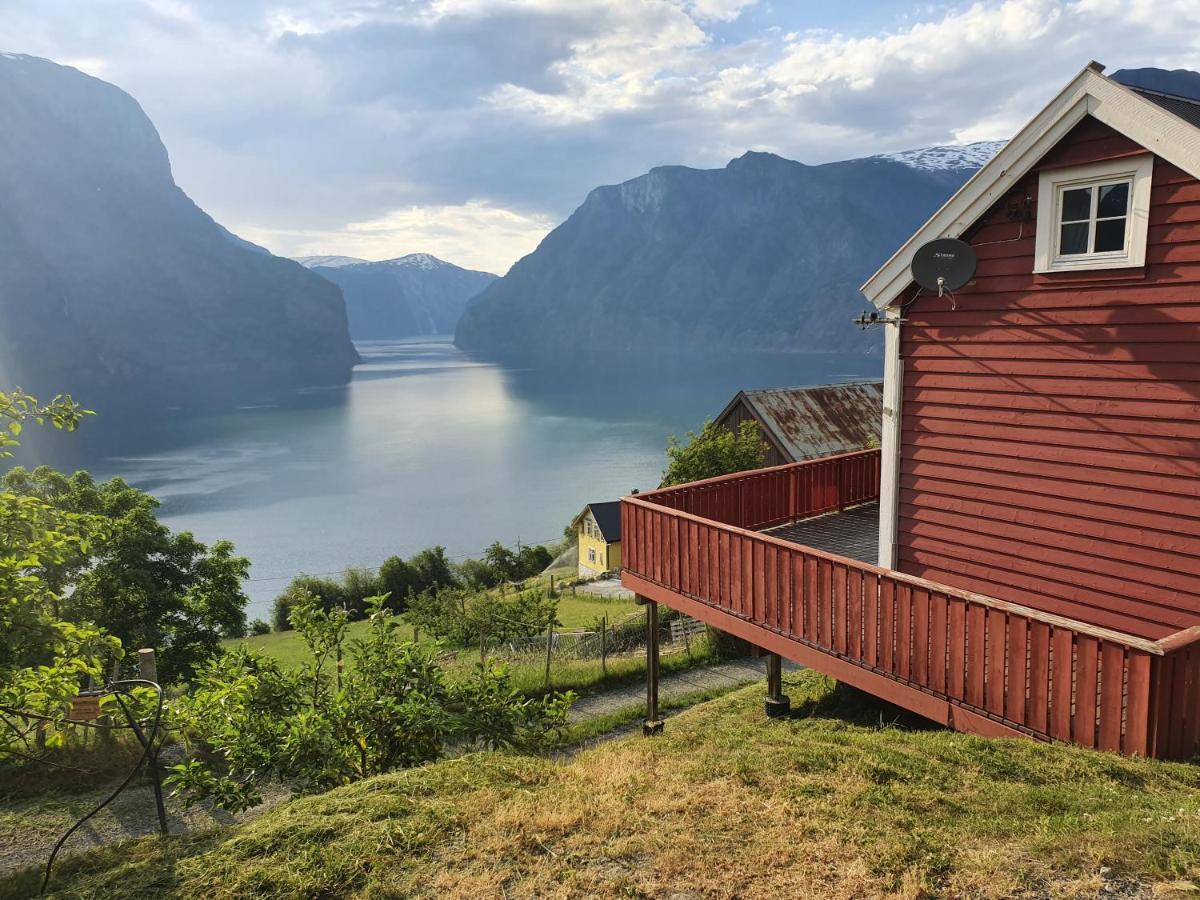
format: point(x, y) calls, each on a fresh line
point(411, 295)
point(114, 284)
point(764, 254)
point(953, 158)
point(1176, 82)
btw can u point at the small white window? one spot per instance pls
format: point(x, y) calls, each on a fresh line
point(591, 554)
point(1094, 216)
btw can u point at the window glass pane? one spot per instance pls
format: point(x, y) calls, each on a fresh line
point(1074, 239)
point(1114, 199)
point(1110, 235)
point(1077, 204)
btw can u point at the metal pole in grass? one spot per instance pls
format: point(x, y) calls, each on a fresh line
point(549, 644)
point(604, 645)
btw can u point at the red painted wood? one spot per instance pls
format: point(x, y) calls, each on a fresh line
point(997, 628)
point(1074, 397)
point(1112, 687)
point(887, 626)
point(839, 608)
point(1086, 656)
point(919, 665)
point(1018, 654)
point(1062, 668)
point(871, 619)
point(976, 658)
point(1038, 711)
point(904, 631)
point(1137, 713)
point(854, 613)
point(956, 675)
point(811, 596)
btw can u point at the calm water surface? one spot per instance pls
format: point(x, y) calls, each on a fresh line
point(425, 446)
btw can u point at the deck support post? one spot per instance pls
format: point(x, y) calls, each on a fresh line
point(653, 724)
point(778, 704)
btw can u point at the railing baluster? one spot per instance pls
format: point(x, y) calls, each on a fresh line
point(871, 619)
point(919, 665)
point(1018, 648)
point(1062, 667)
point(937, 641)
point(1086, 655)
point(1137, 709)
point(904, 629)
point(997, 626)
point(1112, 687)
point(887, 625)
point(976, 660)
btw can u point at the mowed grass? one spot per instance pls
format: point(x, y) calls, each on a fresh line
point(846, 799)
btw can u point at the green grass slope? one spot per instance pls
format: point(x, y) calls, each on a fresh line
point(846, 799)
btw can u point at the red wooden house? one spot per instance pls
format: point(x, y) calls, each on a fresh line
point(1036, 500)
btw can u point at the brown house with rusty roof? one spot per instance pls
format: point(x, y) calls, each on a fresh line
point(810, 422)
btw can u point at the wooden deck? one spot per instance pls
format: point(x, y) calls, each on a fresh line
point(748, 554)
point(853, 533)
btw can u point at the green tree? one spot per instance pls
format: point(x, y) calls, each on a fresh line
point(43, 658)
point(433, 568)
point(141, 582)
point(397, 579)
point(716, 450)
point(502, 561)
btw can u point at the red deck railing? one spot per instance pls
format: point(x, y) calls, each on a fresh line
point(971, 661)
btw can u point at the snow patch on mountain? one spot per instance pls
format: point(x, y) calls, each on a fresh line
point(947, 158)
point(417, 261)
point(328, 262)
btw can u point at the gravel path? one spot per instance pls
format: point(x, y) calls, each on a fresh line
point(672, 687)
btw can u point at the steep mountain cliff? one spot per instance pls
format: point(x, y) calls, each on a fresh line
point(114, 283)
point(764, 254)
point(416, 294)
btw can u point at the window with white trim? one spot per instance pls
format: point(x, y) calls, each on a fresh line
point(1094, 216)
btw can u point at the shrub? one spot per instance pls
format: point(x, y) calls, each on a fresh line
point(259, 627)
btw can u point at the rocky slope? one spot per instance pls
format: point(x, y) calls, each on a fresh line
point(417, 294)
point(764, 254)
point(113, 283)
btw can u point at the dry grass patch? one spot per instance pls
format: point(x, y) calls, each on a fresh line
point(847, 799)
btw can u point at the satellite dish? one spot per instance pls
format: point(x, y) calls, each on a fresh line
point(943, 265)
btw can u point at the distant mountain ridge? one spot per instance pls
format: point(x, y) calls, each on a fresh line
point(764, 254)
point(114, 284)
point(408, 296)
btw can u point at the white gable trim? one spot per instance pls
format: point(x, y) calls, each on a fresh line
point(1089, 93)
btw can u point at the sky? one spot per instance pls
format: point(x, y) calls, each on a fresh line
point(469, 128)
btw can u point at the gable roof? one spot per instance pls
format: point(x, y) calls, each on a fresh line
point(807, 422)
point(1158, 127)
point(608, 519)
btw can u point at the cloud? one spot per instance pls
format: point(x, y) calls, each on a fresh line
point(365, 127)
point(475, 235)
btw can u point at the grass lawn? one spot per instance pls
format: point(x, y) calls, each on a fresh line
point(849, 798)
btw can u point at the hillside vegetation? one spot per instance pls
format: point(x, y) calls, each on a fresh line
point(847, 798)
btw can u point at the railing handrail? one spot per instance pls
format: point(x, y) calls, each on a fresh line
point(1155, 648)
point(747, 473)
point(1179, 639)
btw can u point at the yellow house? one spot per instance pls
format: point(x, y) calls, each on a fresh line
point(599, 530)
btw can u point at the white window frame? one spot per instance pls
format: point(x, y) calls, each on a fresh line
point(1138, 170)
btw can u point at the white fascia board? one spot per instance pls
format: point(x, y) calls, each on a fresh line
point(1089, 93)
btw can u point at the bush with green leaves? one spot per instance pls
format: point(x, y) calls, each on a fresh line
point(260, 627)
point(44, 656)
point(716, 450)
point(463, 618)
point(392, 708)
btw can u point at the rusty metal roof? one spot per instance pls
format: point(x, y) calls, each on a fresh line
point(808, 422)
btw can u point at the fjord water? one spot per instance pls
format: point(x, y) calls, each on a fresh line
point(425, 446)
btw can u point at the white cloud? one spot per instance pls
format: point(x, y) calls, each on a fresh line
point(476, 235)
point(467, 127)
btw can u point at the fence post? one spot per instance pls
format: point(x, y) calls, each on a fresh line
point(653, 724)
point(549, 645)
point(604, 645)
point(147, 665)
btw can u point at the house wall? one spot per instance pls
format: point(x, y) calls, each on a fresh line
point(739, 413)
point(1049, 448)
point(607, 556)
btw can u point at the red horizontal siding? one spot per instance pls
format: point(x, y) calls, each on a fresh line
point(1050, 443)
